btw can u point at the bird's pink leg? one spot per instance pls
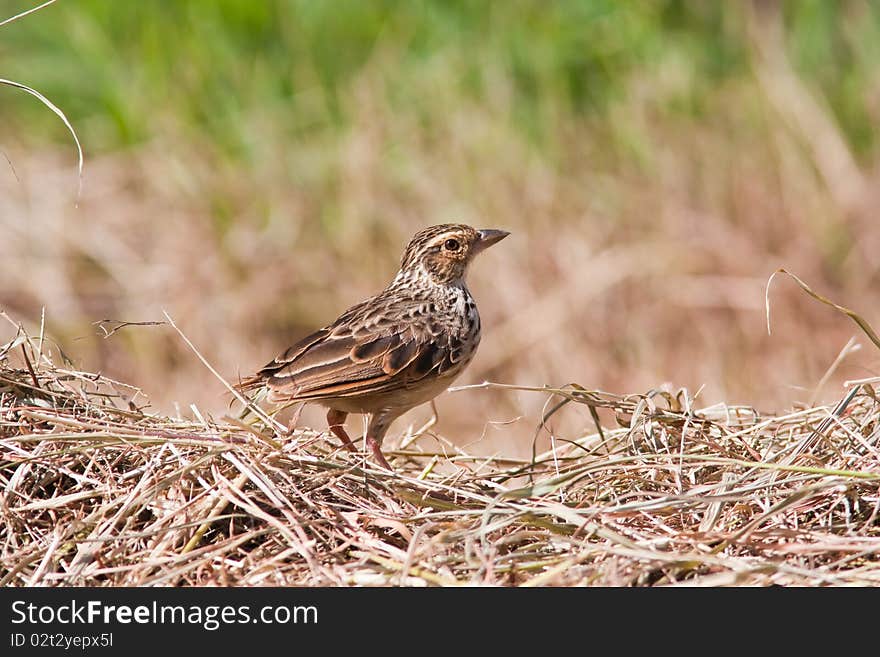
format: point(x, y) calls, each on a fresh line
point(373, 444)
point(336, 420)
point(378, 425)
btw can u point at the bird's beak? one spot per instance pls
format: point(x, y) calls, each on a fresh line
point(488, 237)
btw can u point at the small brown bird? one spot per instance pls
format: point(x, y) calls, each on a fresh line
point(396, 350)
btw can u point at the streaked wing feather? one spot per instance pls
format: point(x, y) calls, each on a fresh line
point(375, 384)
point(292, 352)
point(376, 348)
point(383, 354)
point(401, 356)
point(429, 358)
point(329, 353)
point(319, 377)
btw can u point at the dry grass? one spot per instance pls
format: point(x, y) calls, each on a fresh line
point(97, 492)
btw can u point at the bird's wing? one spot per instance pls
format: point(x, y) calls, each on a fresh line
point(367, 350)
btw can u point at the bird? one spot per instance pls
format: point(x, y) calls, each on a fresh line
point(395, 350)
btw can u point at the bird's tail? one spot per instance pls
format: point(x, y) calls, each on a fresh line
point(250, 383)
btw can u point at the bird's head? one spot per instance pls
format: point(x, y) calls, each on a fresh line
point(444, 252)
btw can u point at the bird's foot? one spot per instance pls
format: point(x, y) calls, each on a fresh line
point(373, 444)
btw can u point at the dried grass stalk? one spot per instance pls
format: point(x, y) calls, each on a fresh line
point(97, 492)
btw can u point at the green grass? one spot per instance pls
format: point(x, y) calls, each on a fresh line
point(124, 71)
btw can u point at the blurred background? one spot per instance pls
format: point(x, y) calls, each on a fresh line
point(254, 168)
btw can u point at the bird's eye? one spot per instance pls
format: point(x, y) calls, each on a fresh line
point(451, 245)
